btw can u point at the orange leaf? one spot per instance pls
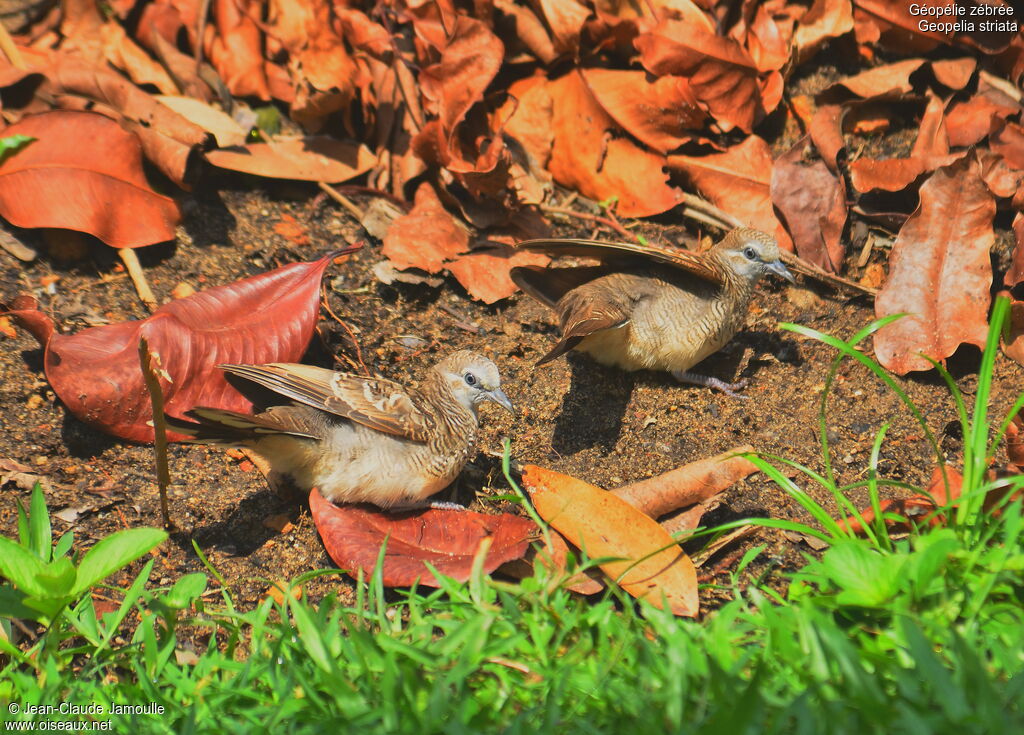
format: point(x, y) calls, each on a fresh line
point(939, 272)
point(484, 272)
point(84, 173)
point(426, 237)
point(316, 158)
point(650, 565)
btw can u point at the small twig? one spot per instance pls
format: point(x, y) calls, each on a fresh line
point(719, 217)
point(865, 251)
point(204, 11)
point(11, 49)
point(702, 556)
point(151, 370)
point(343, 200)
point(804, 268)
point(348, 330)
point(592, 218)
point(134, 268)
point(461, 321)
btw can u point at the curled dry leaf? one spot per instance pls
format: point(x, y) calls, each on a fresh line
point(586, 154)
point(889, 78)
point(648, 562)
point(824, 20)
point(216, 122)
point(687, 485)
point(954, 73)
point(235, 49)
point(826, 131)
point(659, 112)
point(316, 158)
point(95, 372)
point(427, 237)
point(103, 190)
point(968, 122)
point(1016, 272)
point(483, 272)
point(448, 540)
point(939, 272)
point(739, 182)
point(812, 201)
point(722, 75)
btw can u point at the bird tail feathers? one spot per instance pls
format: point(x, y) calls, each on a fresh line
point(225, 428)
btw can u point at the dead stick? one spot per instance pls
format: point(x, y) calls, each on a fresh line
point(702, 556)
point(343, 200)
point(592, 218)
point(135, 272)
point(151, 369)
point(348, 330)
point(11, 50)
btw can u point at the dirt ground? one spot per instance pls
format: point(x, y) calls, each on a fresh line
point(575, 416)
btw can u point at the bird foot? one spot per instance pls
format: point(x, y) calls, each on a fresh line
point(708, 382)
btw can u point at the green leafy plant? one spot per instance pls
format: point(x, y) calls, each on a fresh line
point(48, 584)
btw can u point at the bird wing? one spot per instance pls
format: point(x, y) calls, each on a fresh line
point(549, 285)
point(374, 402)
point(692, 262)
point(588, 309)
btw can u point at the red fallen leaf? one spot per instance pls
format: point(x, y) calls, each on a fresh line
point(812, 201)
point(739, 182)
point(721, 73)
point(826, 19)
point(102, 189)
point(316, 158)
point(448, 540)
point(1002, 180)
point(914, 507)
point(882, 79)
point(95, 372)
point(660, 112)
point(484, 272)
point(426, 237)
point(649, 563)
point(587, 156)
point(954, 73)
point(939, 271)
point(1015, 442)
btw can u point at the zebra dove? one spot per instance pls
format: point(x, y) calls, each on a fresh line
point(631, 313)
point(360, 439)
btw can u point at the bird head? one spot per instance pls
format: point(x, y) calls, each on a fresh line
point(473, 379)
point(751, 254)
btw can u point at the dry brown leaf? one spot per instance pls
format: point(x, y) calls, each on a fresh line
point(739, 182)
point(897, 25)
point(969, 122)
point(483, 272)
point(939, 272)
point(692, 483)
point(588, 156)
point(826, 131)
point(881, 80)
point(565, 19)
point(650, 565)
point(1015, 274)
point(235, 48)
point(825, 20)
point(812, 201)
point(660, 112)
point(722, 75)
point(942, 489)
point(954, 73)
point(425, 238)
point(216, 122)
point(102, 188)
point(315, 158)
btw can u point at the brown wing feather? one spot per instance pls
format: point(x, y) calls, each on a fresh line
point(549, 285)
point(374, 402)
point(587, 310)
point(696, 263)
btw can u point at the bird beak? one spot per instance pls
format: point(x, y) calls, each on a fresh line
point(498, 396)
point(780, 270)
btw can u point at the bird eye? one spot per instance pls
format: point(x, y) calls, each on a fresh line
point(749, 253)
point(470, 379)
